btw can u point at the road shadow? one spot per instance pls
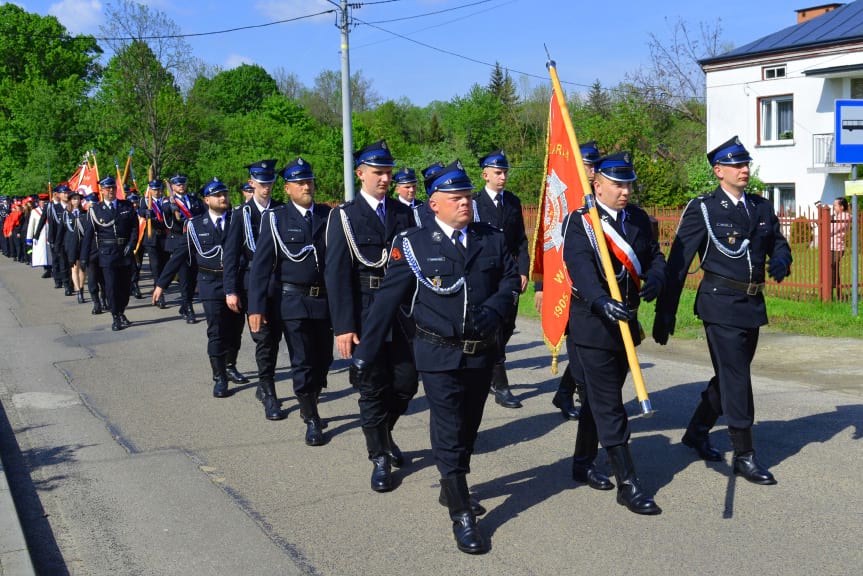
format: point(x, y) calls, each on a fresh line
point(44, 552)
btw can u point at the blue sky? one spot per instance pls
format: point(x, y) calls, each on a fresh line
point(589, 40)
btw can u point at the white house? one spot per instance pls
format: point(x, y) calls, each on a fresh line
point(778, 95)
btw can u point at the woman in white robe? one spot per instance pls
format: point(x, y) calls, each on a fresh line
point(41, 255)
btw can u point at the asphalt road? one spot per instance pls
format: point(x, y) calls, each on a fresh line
point(121, 462)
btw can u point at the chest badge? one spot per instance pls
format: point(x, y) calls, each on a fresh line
point(437, 282)
point(396, 254)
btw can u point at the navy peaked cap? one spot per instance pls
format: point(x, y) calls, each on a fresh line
point(375, 154)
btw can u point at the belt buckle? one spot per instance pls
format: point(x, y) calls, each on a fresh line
point(314, 291)
point(374, 282)
point(752, 289)
point(469, 346)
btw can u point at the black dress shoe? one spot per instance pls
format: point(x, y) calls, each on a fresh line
point(46, 273)
point(68, 291)
point(701, 444)
point(382, 478)
point(591, 476)
point(747, 466)
point(629, 494)
point(161, 303)
point(124, 322)
point(80, 296)
point(220, 388)
point(563, 401)
point(97, 307)
point(116, 325)
point(182, 310)
point(136, 292)
point(505, 398)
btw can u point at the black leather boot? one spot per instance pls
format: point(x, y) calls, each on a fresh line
point(272, 406)
point(377, 442)
point(161, 302)
point(396, 456)
point(81, 296)
point(182, 310)
point(629, 491)
point(68, 289)
point(116, 325)
point(745, 463)
point(190, 314)
point(500, 388)
point(220, 378)
point(697, 434)
point(468, 536)
point(234, 375)
point(563, 400)
point(586, 449)
point(125, 322)
point(309, 414)
point(136, 291)
point(105, 302)
point(475, 507)
point(97, 304)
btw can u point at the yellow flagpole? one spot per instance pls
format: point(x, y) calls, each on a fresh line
point(605, 257)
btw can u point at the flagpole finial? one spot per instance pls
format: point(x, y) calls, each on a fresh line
point(551, 63)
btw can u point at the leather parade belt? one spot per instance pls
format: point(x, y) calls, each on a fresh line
point(467, 346)
point(113, 241)
point(217, 272)
point(372, 281)
point(305, 290)
point(750, 288)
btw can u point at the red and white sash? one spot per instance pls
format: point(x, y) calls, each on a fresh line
point(618, 246)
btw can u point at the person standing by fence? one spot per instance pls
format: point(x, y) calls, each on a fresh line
point(838, 230)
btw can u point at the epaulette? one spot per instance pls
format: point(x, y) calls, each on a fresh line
point(345, 204)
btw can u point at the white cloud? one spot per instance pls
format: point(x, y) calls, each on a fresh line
point(235, 60)
point(78, 16)
point(285, 9)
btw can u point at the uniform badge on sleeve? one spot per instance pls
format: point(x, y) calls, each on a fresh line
point(396, 254)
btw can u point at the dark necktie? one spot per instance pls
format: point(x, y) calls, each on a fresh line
point(456, 238)
point(220, 225)
point(308, 218)
point(498, 203)
point(741, 208)
point(380, 213)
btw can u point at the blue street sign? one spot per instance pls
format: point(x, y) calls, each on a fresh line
point(849, 132)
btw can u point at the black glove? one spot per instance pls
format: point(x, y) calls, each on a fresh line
point(127, 250)
point(357, 372)
point(663, 326)
point(779, 268)
point(485, 321)
point(613, 310)
point(650, 289)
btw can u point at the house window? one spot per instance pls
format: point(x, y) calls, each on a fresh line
point(777, 119)
point(773, 72)
point(783, 197)
point(857, 88)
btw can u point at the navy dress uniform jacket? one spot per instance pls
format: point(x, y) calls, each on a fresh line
point(270, 258)
point(238, 247)
point(717, 304)
point(349, 290)
point(587, 328)
point(491, 279)
point(512, 224)
point(209, 267)
point(111, 231)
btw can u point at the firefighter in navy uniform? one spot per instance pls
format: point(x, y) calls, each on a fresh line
point(52, 217)
point(90, 262)
point(204, 237)
point(405, 184)
point(359, 236)
point(240, 248)
point(132, 196)
point(594, 334)
point(177, 209)
point(502, 209)
point(733, 233)
point(114, 230)
point(153, 242)
point(292, 242)
point(462, 282)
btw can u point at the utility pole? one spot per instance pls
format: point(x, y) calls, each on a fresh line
point(347, 124)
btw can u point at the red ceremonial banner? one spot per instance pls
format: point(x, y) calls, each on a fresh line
point(563, 193)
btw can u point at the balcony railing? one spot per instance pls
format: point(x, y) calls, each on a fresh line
point(823, 150)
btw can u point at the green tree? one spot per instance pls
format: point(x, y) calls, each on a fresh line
point(239, 90)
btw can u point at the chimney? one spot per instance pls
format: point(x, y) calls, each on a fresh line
point(807, 14)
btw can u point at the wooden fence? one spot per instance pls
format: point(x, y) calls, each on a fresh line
point(811, 277)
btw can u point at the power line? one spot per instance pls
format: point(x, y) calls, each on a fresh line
point(431, 13)
point(169, 36)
